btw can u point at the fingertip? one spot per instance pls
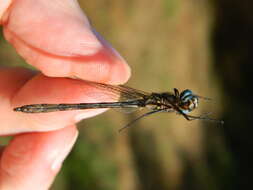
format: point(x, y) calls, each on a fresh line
point(120, 71)
point(121, 74)
point(34, 159)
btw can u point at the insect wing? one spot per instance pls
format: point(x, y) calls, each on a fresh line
point(121, 93)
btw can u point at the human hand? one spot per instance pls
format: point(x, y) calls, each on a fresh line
point(56, 38)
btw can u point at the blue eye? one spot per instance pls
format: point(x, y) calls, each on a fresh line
point(186, 95)
point(188, 101)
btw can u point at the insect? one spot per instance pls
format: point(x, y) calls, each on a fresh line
point(180, 103)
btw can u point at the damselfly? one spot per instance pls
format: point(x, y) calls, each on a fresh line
point(180, 103)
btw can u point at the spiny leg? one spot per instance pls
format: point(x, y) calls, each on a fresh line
point(138, 118)
point(204, 117)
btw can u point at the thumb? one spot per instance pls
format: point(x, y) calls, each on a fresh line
point(56, 37)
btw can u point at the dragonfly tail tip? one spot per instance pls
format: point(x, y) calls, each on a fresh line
point(17, 109)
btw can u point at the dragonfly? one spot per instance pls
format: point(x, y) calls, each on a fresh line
point(178, 102)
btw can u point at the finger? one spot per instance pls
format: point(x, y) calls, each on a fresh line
point(27, 88)
point(11, 80)
point(32, 160)
point(56, 37)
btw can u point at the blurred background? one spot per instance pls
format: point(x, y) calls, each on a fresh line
point(203, 45)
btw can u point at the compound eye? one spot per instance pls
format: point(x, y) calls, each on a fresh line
point(189, 102)
point(185, 95)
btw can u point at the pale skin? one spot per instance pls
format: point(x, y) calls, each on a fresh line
point(56, 38)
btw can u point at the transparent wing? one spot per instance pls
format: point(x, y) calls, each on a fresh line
point(120, 92)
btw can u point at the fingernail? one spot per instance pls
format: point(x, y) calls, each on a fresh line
point(80, 117)
point(63, 154)
point(116, 58)
point(88, 114)
point(108, 46)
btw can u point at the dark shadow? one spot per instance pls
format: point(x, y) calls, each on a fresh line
point(233, 59)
